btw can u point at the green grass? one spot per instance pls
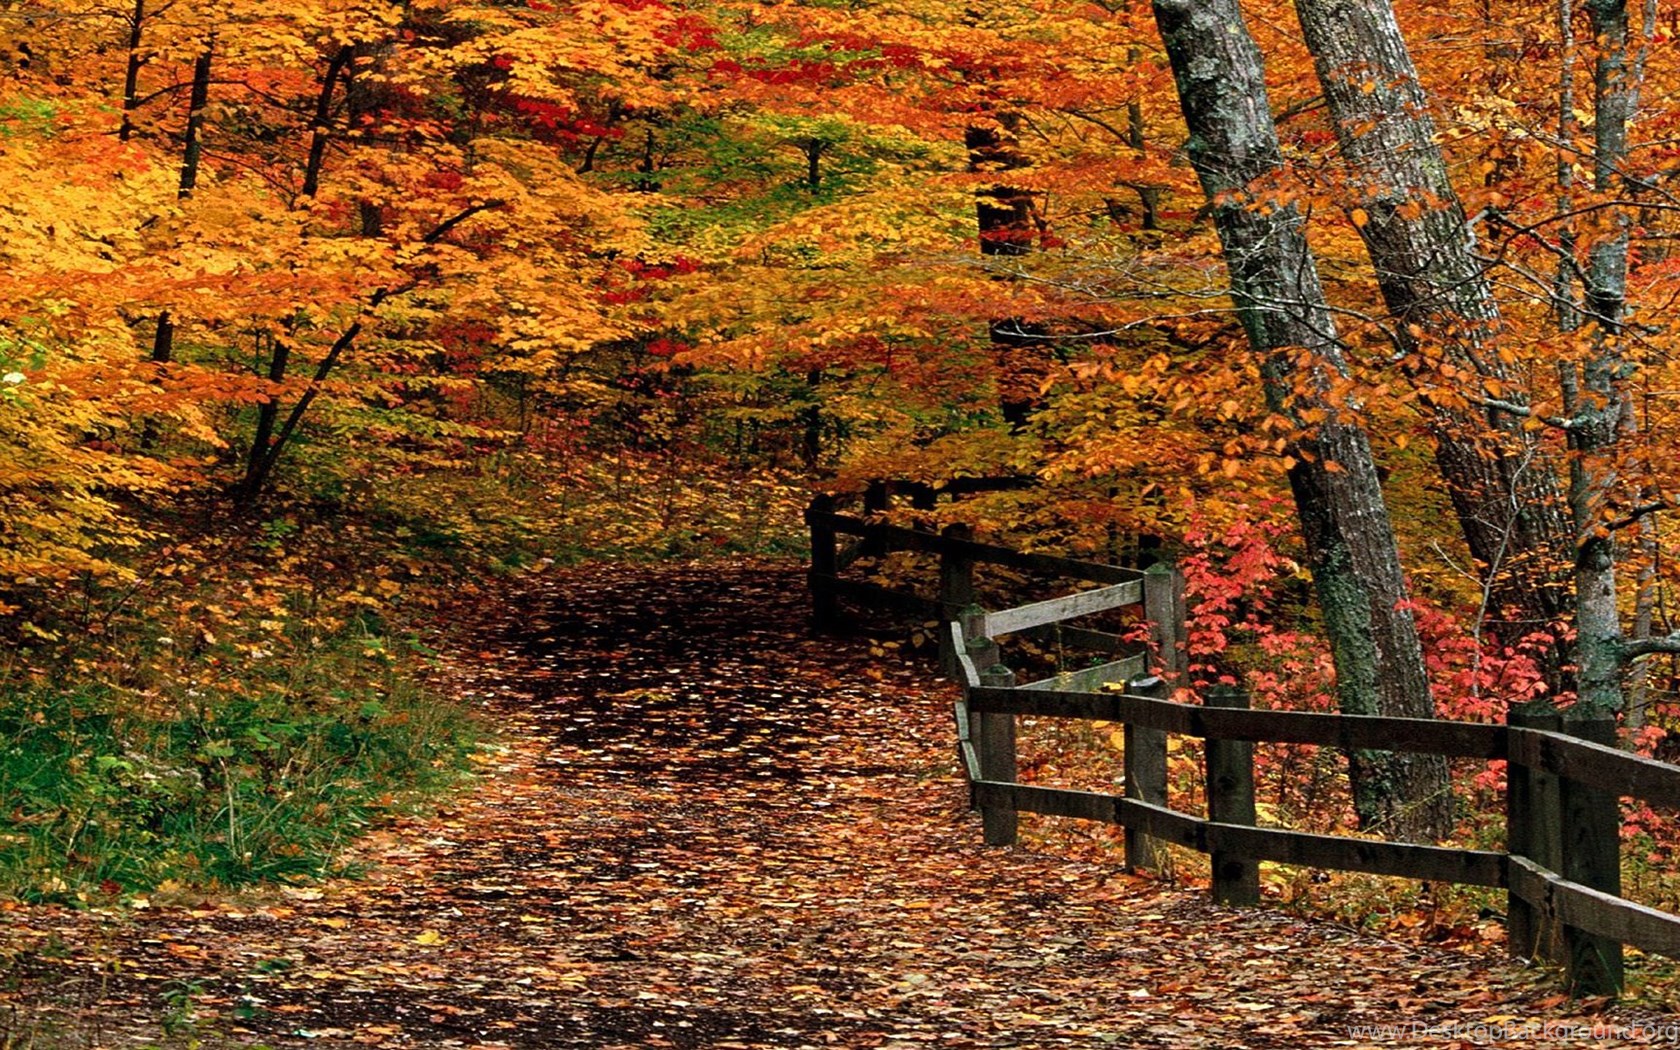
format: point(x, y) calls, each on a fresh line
point(106, 792)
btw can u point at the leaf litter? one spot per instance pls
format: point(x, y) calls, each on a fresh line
point(703, 827)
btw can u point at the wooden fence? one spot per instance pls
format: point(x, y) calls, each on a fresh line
point(959, 554)
point(1561, 866)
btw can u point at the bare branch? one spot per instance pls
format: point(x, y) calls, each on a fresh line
point(1636, 647)
point(1634, 516)
point(442, 229)
point(1522, 411)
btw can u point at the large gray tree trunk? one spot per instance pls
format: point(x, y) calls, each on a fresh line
point(1596, 396)
point(1344, 519)
point(1503, 488)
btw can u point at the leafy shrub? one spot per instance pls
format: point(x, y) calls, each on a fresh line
point(104, 790)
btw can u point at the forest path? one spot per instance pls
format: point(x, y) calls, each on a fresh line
point(710, 830)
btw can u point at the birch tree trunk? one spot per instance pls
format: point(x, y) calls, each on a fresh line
point(1276, 289)
point(1445, 318)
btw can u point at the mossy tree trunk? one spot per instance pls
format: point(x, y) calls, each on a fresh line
point(1279, 298)
point(1444, 317)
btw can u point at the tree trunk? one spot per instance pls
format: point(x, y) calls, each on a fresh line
point(811, 422)
point(1008, 222)
point(813, 150)
point(1149, 197)
point(257, 464)
point(265, 444)
point(265, 453)
point(321, 126)
point(192, 148)
point(1344, 518)
point(131, 75)
point(1638, 684)
point(163, 339)
point(1503, 488)
point(163, 351)
point(1599, 411)
point(366, 93)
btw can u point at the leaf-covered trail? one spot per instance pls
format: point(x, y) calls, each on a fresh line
point(709, 830)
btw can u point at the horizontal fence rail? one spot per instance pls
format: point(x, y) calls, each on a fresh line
point(1041, 614)
point(1561, 865)
point(1597, 765)
point(1580, 921)
point(898, 537)
point(1436, 863)
point(959, 554)
point(1348, 732)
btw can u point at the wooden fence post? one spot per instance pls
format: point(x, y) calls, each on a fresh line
point(982, 650)
point(1146, 749)
point(876, 499)
point(956, 594)
point(1163, 606)
point(983, 653)
point(994, 742)
point(825, 565)
point(1592, 856)
point(1145, 758)
point(1533, 829)
point(1230, 800)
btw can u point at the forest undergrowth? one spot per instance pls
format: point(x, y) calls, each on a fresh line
point(255, 693)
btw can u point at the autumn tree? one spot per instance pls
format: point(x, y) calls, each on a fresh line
point(1338, 497)
point(1441, 312)
point(273, 235)
point(1598, 391)
point(1438, 290)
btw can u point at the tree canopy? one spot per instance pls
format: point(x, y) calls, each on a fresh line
point(338, 255)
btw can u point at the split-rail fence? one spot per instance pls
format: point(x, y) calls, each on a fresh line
point(1560, 868)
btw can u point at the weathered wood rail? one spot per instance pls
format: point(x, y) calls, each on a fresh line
point(959, 554)
point(1561, 866)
